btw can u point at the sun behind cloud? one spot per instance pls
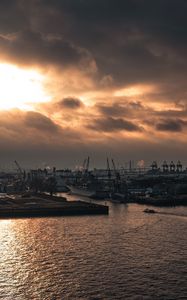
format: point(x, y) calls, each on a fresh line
point(20, 88)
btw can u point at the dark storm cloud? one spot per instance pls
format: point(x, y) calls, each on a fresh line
point(118, 43)
point(31, 47)
point(40, 122)
point(131, 41)
point(30, 127)
point(171, 125)
point(33, 139)
point(19, 122)
point(175, 113)
point(112, 110)
point(70, 103)
point(113, 124)
point(33, 145)
point(121, 109)
point(12, 17)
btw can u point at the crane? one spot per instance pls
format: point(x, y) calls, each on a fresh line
point(22, 176)
point(117, 176)
point(108, 169)
point(21, 172)
point(87, 164)
point(18, 167)
point(83, 165)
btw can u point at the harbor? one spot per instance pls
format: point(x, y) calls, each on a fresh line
point(164, 185)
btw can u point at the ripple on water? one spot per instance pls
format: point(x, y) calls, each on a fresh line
point(126, 255)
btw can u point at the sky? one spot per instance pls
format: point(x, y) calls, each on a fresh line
point(92, 78)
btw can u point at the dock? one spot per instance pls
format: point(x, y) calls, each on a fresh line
point(17, 206)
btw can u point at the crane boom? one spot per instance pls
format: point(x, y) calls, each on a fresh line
point(108, 169)
point(114, 165)
point(87, 164)
point(117, 174)
point(18, 167)
point(22, 174)
point(84, 164)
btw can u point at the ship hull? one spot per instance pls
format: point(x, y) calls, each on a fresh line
point(80, 191)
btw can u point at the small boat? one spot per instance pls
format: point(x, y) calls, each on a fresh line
point(149, 211)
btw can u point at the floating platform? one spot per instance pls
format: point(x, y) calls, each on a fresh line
point(17, 206)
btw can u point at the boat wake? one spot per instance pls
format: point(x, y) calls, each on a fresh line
point(171, 214)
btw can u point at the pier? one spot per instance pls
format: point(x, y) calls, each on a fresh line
point(17, 206)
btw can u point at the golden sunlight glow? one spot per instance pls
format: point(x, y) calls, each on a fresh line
point(20, 88)
point(134, 91)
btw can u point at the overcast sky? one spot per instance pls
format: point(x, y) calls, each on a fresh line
point(114, 78)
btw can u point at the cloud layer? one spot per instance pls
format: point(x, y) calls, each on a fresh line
point(116, 74)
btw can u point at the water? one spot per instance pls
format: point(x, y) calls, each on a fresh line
point(126, 255)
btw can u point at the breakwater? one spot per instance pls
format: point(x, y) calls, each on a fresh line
point(45, 205)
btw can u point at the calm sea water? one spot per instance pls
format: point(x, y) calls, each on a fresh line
point(126, 255)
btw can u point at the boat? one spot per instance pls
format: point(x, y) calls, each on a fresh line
point(149, 211)
point(80, 191)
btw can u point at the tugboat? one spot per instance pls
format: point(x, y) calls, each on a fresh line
point(149, 211)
